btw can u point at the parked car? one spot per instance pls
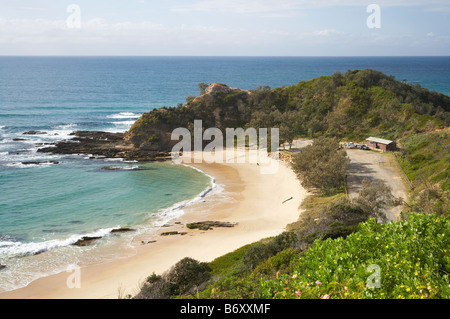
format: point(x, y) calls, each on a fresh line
point(350, 145)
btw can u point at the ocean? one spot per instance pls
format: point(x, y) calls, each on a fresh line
point(47, 202)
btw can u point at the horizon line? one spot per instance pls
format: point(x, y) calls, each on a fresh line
point(232, 56)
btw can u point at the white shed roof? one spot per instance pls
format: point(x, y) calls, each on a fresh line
point(379, 140)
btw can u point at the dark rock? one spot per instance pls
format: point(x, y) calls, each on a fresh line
point(171, 233)
point(112, 168)
point(40, 162)
point(148, 242)
point(104, 144)
point(86, 241)
point(122, 230)
point(33, 133)
point(2, 267)
point(207, 225)
point(19, 139)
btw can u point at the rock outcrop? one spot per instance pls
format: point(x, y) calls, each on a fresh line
point(103, 144)
point(34, 133)
point(122, 230)
point(171, 233)
point(86, 241)
point(207, 225)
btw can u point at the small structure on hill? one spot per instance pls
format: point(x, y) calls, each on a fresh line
point(380, 144)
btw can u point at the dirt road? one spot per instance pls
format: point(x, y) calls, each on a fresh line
point(375, 166)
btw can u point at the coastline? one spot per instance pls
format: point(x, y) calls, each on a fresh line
point(252, 200)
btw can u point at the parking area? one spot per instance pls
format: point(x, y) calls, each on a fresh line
point(375, 166)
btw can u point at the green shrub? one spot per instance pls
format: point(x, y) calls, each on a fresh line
point(412, 256)
point(186, 275)
point(322, 165)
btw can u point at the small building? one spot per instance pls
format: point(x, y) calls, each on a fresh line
point(380, 144)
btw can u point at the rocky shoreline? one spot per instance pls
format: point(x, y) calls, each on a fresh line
point(89, 240)
point(103, 144)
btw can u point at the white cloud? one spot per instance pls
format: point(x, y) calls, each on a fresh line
point(327, 32)
point(276, 6)
point(99, 36)
point(144, 37)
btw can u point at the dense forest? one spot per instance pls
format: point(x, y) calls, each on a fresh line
point(353, 105)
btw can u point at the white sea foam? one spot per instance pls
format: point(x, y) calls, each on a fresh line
point(128, 123)
point(16, 248)
point(123, 168)
point(16, 157)
point(113, 159)
point(177, 210)
point(22, 165)
point(60, 132)
point(124, 115)
point(65, 126)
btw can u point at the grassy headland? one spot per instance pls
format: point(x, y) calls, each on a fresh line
point(337, 249)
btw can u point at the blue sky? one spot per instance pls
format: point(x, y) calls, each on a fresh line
point(224, 27)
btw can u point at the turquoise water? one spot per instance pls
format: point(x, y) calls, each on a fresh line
point(48, 206)
point(80, 197)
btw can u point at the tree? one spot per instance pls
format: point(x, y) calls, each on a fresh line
point(189, 99)
point(202, 86)
point(322, 165)
point(338, 219)
point(375, 198)
point(188, 273)
point(337, 78)
point(255, 254)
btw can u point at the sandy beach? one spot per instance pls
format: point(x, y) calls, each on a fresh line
point(260, 204)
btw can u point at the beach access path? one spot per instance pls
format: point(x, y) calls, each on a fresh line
point(375, 165)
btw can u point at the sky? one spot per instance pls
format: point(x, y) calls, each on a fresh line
point(225, 27)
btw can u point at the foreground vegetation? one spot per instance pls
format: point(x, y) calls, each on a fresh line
point(411, 258)
point(425, 160)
